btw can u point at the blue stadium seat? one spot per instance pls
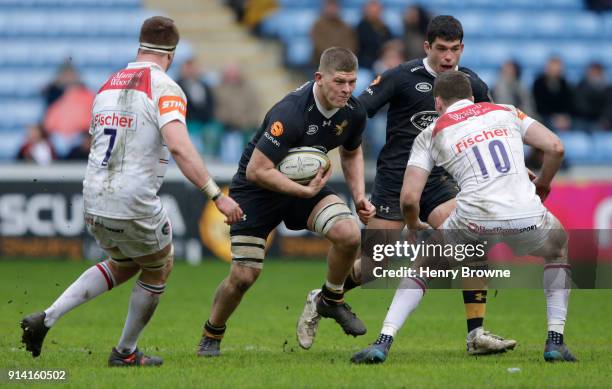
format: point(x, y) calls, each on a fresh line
point(20, 112)
point(578, 147)
point(11, 143)
point(393, 20)
point(364, 78)
point(351, 16)
point(24, 82)
point(72, 3)
point(603, 147)
point(299, 52)
point(297, 24)
point(87, 52)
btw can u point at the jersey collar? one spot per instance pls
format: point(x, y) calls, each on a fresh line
point(430, 69)
point(143, 64)
point(325, 112)
point(457, 105)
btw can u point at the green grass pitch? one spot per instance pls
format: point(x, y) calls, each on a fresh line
point(260, 349)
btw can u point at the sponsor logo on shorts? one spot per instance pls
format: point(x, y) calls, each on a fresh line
point(384, 209)
point(169, 104)
point(312, 129)
point(423, 87)
point(479, 229)
point(277, 128)
point(271, 139)
point(423, 119)
point(166, 228)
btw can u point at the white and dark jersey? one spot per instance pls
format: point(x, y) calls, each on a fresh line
point(481, 146)
point(299, 120)
point(408, 89)
point(128, 157)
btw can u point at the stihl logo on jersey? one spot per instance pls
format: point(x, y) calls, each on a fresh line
point(472, 139)
point(168, 104)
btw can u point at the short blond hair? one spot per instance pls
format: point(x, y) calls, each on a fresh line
point(338, 59)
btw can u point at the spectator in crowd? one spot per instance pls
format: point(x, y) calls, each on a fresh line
point(509, 89)
point(237, 109)
point(200, 108)
point(599, 5)
point(392, 55)
point(590, 98)
point(553, 96)
point(329, 30)
point(37, 147)
point(607, 112)
point(66, 77)
point(372, 33)
point(70, 115)
point(80, 151)
point(256, 10)
point(200, 100)
point(416, 20)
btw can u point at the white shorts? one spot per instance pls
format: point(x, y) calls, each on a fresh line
point(133, 238)
point(524, 236)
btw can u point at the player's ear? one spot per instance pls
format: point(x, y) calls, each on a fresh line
point(426, 47)
point(439, 105)
point(318, 77)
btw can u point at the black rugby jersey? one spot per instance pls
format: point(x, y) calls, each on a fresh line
point(296, 121)
point(408, 88)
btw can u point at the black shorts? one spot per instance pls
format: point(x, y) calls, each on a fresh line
point(440, 188)
point(264, 210)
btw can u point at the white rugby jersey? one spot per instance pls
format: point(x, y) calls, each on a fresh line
point(481, 146)
point(128, 158)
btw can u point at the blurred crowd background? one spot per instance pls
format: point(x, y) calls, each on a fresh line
point(551, 58)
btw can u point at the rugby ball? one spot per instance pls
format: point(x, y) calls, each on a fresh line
point(302, 164)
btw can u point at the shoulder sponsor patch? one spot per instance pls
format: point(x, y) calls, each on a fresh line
point(521, 115)
point(169, 104)
point(423, 87)
point(137, 79)
point(277, 128)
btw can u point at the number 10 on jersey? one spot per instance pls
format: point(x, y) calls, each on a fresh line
point(491, 160)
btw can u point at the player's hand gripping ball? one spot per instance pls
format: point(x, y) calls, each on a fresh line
point(302, 164)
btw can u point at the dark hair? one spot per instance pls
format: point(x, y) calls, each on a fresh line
point(338, 59)
point(159, 30)
point(452, 85)
point(444, 27)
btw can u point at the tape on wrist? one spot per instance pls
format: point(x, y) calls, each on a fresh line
point(211, 189)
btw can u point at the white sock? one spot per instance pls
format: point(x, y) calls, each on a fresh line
point(93, 282)
point(557, 291)
point(335, 287)
point(143, 302)
point(406, 299)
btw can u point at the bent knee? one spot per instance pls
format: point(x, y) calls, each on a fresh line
point(242, 277)
point(345, 233)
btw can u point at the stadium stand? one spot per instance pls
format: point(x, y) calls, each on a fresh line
point(96, 36)
point(495, 31)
